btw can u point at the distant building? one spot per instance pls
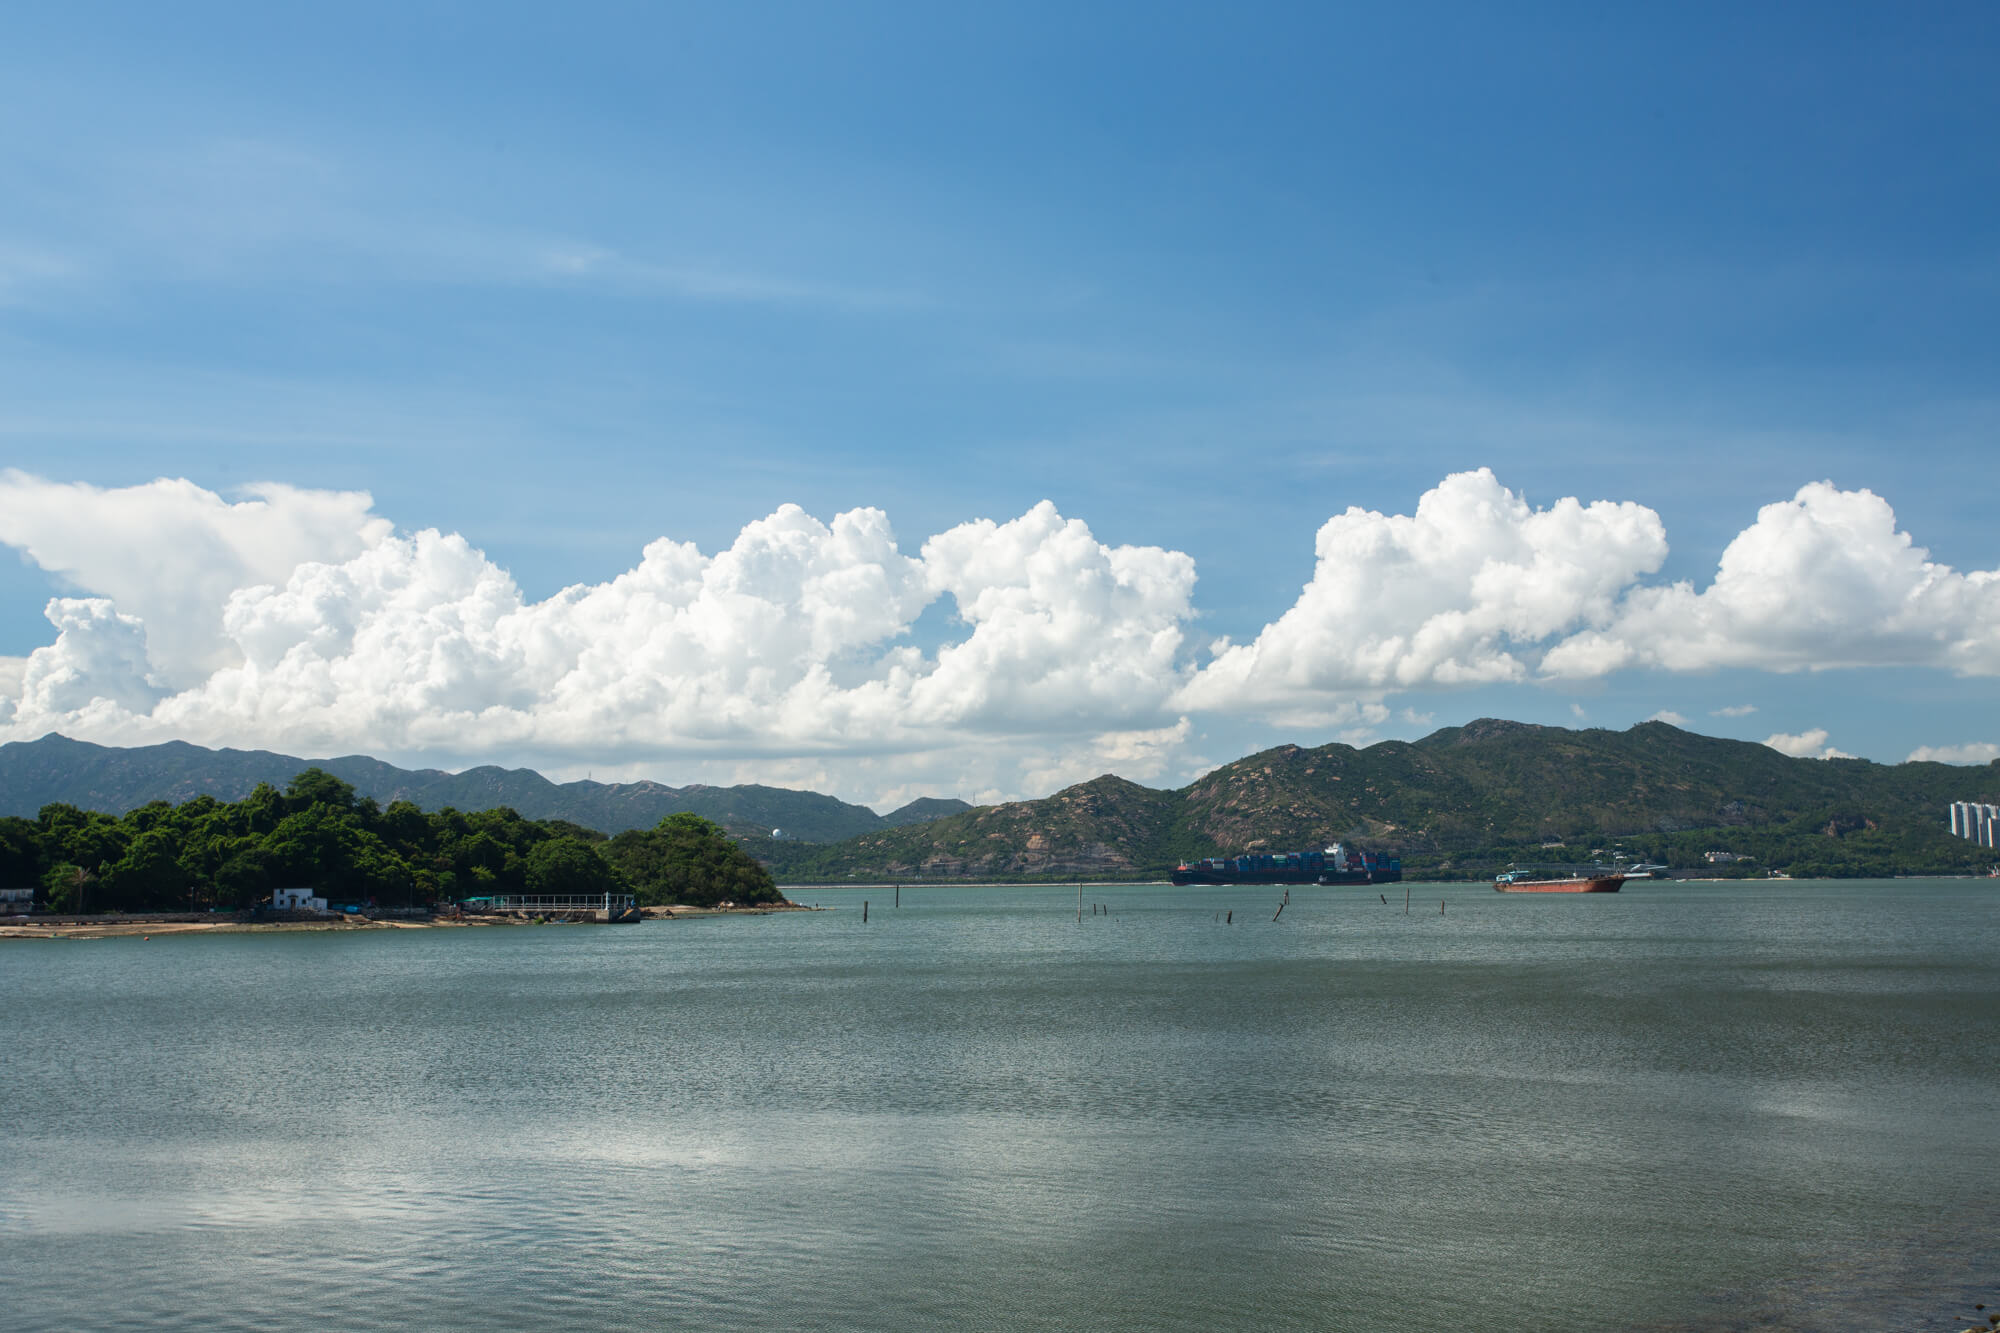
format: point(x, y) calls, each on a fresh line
point(296, 900)
point(16, 902)
point(1722, 858)
point(1976, 822)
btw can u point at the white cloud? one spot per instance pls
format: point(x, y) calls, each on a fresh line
point(1670, 717)
point(301, 620)
point(1973, 752)
point(1453, 595)
point(171, 554)
point(1822, 580)
point(96, 666)
point(1806, 745)
point(787, 645)
point(1733, 710)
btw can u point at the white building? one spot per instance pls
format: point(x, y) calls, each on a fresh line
point(16, 902)
point(1977, 822)
point(296, 900)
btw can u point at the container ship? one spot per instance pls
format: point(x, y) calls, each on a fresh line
point(1335, 865)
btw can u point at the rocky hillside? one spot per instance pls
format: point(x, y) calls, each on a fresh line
point(1490, 789)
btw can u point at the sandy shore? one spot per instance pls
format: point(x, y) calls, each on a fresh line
point(104, 928)
point(114, 929)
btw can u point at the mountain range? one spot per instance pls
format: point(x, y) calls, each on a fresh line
point(114, 779)
point(1455, 802)
point(1458, 801)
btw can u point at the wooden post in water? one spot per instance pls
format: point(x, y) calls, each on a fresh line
point(1406, 900)
point(899, 895)
point(1079, 902)
point(864, 911)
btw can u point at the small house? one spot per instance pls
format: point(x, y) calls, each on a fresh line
point(296, 900)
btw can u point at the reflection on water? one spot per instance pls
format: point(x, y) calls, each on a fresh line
point(1685, 1107)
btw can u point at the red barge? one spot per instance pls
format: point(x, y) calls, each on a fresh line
point(1525, 881)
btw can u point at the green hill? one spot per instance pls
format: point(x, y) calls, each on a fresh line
point(114, 779)
point(1459, 803)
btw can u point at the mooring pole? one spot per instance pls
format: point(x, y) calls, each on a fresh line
point(1079, 902)
point(1406, 900)
point(864, 911)
point(899, 895)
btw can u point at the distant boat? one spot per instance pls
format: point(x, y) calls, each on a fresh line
point(1338, 864)
point(1574, 881)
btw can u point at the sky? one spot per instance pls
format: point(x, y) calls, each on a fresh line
point(904, 400)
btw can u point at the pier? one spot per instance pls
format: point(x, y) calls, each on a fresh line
point(567, 906)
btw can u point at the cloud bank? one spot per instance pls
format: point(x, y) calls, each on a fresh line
point(1805, 745)
point(1973, 752)
point(304, 621)
point(1822, 580)
point(1460, 593)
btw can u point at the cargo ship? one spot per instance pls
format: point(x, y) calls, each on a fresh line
point(1575, 881)
point(1335, 865)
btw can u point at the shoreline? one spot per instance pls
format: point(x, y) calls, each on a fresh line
point(121, 927)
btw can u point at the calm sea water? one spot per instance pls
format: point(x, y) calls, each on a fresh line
point(1682, 1107)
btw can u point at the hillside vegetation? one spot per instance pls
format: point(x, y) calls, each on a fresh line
point(317, 833)
point(57, 770)
point(1460, 802)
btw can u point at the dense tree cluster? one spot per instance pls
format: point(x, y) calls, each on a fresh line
point(687, 859)
point(317, 834)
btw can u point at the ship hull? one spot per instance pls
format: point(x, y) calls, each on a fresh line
point(1593, 884)
point(1334, 866)
point(1242, 877)
point(1328, 877)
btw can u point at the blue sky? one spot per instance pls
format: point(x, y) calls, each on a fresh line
point(565, 283)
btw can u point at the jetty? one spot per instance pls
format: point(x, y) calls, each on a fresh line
point(599, 907)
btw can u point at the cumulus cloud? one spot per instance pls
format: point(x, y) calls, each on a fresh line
point(1462, 592)
point(1733, 710)
point(1806, 745)
point(170, 554)
point(302, 620)
point(96, 666)
point(792, 642)
point(1973, 752)
point(1670, 717)
point(1822, 580)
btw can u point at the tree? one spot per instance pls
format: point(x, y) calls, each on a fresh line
point(148, 876)
point(316, 786)
point(687, 859)
point(20, 852)
point(570, 866)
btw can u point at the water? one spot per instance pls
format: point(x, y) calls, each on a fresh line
point(1682, 1107)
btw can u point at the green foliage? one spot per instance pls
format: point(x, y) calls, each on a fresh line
point(54, 768)
point(686, 859)
point(568, 864)
point(316, 786)
point(316, 833)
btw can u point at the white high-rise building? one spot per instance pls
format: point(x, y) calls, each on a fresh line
point(1976, 822)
